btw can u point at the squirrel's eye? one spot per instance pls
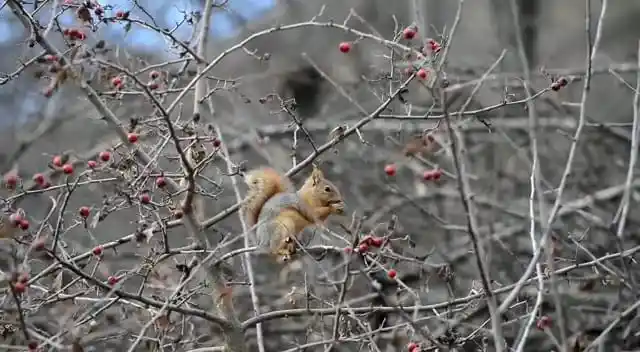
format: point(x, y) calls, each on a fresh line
point(327, 189)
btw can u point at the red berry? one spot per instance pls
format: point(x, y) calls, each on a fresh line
point(104, 156)
point(50, 58)
point(161, 182)
point(19, 287)
point(15, 219)
point(24, 224)
point(66, 31)
point(11, 180)
point(376, 241)
point(412, 347)
point(46, 184)
point(116, 81)
point(154, 74)
point(112, 280)
point(97, 251)
point(67, 169)
point(367, 239)
point(84, 211)
point(39, 244)
point(23, 278)
point(38, 178)
point(544, 322)
point(121, 14)
point(392, 273)
point(92, 164)
point(345, 47)
point(132, 137)
point(363, 247)
point(48, 92)
point(408, 33)
point(427, 175)
point(437, 173)
point(153, 85)
point(33, 345)
point(422, 73)
point(57, 160)
point(217, 143)
point(390, 169)
point(145, 198)
point(80, 36)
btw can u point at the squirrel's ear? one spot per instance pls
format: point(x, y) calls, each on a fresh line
point(316, 175)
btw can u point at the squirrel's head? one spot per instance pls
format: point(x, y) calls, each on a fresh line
point(325, 192)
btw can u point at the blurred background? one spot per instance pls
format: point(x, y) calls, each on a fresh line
point(305, 65)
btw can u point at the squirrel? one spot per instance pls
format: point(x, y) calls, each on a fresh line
point(280, 214)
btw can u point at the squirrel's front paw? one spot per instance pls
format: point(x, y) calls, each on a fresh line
point(338, 207)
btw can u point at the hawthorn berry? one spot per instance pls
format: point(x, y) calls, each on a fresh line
point(376, 242)
point(121, 14)
point(422, 73)
point(145, 198)
point(392, 273)
point(367, 239)
point(104, 156)
point(412, 347)
point(345, 47)
point(92, 164)
point(154, 74)
point(216, 143)
point(97, 251)
point(409, 33)
point(363, 247)
point(161, 182)
point(15, 219)
point(67, 169)
point(48, 92)
point(57, 161)
point(112, 280)
point(559, 83)
point(11, 180)
point(38, 179)
point(434, 45)
point(116, 81)
point(39, 244)
point(544, 322)
point(132, 137)
point(23, 278)
point(432, 175)
point(50, 58)
point(33, 345)
point(390, 169)
point(19, 287)
point(152, 85)
point(84, 211)
point(24, 224)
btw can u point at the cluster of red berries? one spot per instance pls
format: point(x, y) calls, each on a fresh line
point(117, 82)
point(20, 283)
point(413, 347)
point(17, 220)
point(11, 180)
point(145, 198)
point(122, 15)
point(67, 168)
point(409, 33)
point(74, 33)
point(112, 280)
point(434, 46)
point(104, 156)
point(559, 84)
point(544, 322)
point(153, 84)
point(432, 175)
point(429, 175)
point(41, 181)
